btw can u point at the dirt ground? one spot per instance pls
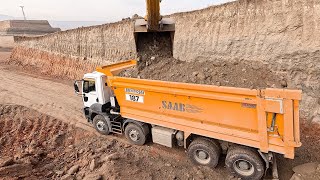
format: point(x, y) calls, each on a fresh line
point(43, 134)
point(38, 146)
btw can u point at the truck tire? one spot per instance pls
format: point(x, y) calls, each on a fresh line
point(245, 163)
point(101, 125)
point(135, 134)
point(204, 152)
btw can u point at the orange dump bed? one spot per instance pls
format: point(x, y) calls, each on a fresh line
point(267, 119)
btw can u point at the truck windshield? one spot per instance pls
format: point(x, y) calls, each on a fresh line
point(89, 86)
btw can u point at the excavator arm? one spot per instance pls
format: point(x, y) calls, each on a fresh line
point(153, 22)
point(153, 16)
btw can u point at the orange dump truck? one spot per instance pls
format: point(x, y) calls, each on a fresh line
point(248, 125)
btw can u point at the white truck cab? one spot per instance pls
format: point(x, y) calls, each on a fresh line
point(97, 97)
point(94, 89)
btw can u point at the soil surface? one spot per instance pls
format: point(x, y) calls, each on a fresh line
point(38, 146)
point(43, 131)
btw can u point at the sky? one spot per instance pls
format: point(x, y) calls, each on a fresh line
point(94, 10)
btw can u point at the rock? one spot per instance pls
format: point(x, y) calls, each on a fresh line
point(6, 161)
point(201, 76)
point(127, 145)
point(135, 16)
point(296, 176)
point(29, 160)
point(110, 144)
point(307, 168)
point(102, 149)
point(214, 73)
point(3, 140)
point(84, 163)
point(20, 155)
point(112, 157)
point(223, 74)
point(81, 151)
point(33, 143)
point(200, 174)
point(51, 155)
point(216, 63)
point(195, 73)
point(283, 83)
point(93, 164)
point(93, 177)
point(59, 173)
point(73, 170)
point(168, 164)
point(67, 177)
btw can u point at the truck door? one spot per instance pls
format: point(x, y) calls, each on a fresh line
point(90, 95)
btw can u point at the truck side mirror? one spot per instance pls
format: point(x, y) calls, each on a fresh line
point(76, 87)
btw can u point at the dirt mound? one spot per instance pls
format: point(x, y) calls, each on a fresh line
point(156, 62)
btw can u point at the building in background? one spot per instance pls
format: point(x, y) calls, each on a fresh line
point(13, 28)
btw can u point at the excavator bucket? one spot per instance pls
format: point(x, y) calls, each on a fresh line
point(154, 24)
point(165, 25)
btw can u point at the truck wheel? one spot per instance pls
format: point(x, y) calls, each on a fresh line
point(205, 152)
point(135, 134)
point(246, 163)
point(101, 125)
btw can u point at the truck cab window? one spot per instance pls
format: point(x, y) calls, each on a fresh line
point(89, 86)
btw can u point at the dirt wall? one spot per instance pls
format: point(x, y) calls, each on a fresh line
point(98, 44)
point(284, 35)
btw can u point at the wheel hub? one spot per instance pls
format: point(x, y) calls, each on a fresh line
point(101, 126)
point(243, 167)
point(134, 135)
point(202, 157)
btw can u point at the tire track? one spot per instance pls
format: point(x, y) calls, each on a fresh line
point(20, 125)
